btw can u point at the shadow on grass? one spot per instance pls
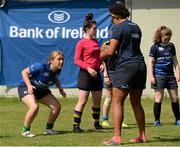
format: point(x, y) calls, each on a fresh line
point(99, 131)
point(57, 133)
point(93, 131)
point(5, 137)
point(69, 132)
point(134, 125)
point(167, 138)
point(162, 138)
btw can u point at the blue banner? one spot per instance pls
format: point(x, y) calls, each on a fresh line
point(29, 31)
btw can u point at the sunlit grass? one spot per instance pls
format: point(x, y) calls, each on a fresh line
point(12, 113)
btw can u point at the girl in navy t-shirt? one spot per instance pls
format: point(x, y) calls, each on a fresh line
point(162, 62)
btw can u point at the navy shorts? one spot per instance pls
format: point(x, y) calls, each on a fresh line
point(38, 92)
point(165, 82)
point(129, 76)
point(88, 83)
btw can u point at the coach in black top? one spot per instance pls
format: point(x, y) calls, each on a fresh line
point(129, 73)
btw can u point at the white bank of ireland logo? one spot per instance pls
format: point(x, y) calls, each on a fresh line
point(58, 16)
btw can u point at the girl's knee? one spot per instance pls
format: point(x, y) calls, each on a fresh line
point(56, 108)
point(158, 99)
point(34, 107)
point(159, 96)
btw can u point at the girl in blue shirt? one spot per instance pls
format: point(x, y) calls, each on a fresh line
point(162, 62)
point(33, 89)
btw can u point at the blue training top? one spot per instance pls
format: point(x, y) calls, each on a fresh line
point(41, 75)
point(163, 55)
point(129, 36)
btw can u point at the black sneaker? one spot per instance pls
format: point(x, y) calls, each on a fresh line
point(98, 127)
point(77, 129)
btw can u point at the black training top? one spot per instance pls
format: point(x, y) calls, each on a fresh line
point(129, 36)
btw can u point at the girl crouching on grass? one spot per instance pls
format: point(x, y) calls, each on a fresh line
point(33, 89)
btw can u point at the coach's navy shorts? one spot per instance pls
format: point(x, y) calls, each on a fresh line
point(129, 76)
point(88, 83)
point(38, 92)
point(165, 82)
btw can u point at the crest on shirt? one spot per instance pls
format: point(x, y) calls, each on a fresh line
point(25, 92)
point(160, 48)
point(46, 74)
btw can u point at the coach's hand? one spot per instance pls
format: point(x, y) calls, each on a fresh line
point(62, 92)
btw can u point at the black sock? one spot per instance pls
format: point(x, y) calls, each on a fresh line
point(175, 108)
point(49, 126)
point(77, 118)
point(157, 111)
point(96, 115)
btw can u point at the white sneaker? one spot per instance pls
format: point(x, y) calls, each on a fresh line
point(27, 134)
point(50, 132)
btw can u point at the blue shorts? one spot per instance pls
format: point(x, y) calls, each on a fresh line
point(129, 76)
point(38, 92)
point(88, 83)
point(165, 82)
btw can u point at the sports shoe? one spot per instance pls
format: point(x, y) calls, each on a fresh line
point(139, 140)
point(50, 132)
point(105, 124)
point(98, 127)
point(77, 129)
point(157, 123)
point(27, 134)
point(124, 125)
point(177, 123)
point(113, 141)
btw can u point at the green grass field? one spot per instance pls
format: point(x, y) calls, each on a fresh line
point(12, 113)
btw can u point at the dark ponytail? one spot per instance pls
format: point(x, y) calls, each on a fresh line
point(88, 21)
point(89, 17)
